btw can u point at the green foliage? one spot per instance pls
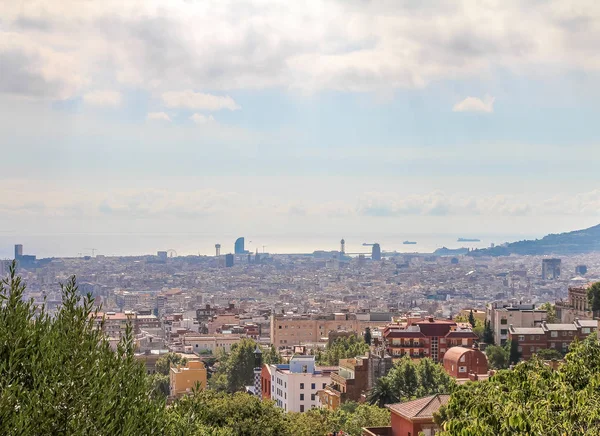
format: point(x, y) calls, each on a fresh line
point(513, 352)
point(594, 297)
point(549, 354)
point(488, 333)
point(550, 312)
point(239, 414)
point(342, 348)
point(532, 399)
point(58, 375)
point(472, 319)
point(271, 357)
point(498, 357)
point(160, 385)
point(367, 336)
point(164, 362)
point(408, 380)
point(235, 370)
point(318, 422)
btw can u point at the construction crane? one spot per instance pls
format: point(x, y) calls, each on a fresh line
point(93, 250)
point(263, 248)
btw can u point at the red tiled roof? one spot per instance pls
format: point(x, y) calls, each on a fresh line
point(421, 408)
point(462, 335)
point(404, 334)
point(435, 329)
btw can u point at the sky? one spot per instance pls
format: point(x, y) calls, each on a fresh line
point(305, 117)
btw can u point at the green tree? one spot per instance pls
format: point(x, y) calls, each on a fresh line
point(532, 399)
point(498, 357)
point(549, 354)
point(160, 384)
point(472, 319)
point(271, 356)
point(488, 333)
point(235, 370)
point(550, 312)
point(367, 336)
point(594, 297)
point(383, 392)
point(342, 348)
point(164, 362)
point(513, 352)
point(59, 374)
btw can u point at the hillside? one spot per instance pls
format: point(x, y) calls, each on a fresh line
point(575, 242)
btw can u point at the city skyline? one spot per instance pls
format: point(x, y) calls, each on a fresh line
point(329, 117)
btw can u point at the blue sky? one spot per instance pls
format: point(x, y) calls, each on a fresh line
point(435, 116)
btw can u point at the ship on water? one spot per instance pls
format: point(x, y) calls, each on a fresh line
point(409, 243)
point(468, 240)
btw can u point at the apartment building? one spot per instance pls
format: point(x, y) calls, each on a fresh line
point(183, 379)
point(426, 338)
point(208, 344)
point(550, 336)
point(294, 386)
point(577, 305)
point(289, 330)
point(353, 379)
point(502, 315)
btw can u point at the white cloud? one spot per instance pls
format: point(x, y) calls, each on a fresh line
point(198, 101)
point(202, 119)
point(474, 104)
point(346, 45)
point(158, 116)
point(103, 98)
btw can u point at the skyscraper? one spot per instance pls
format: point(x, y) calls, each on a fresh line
point(376, 252)
point(18, 251)
point(550, 269)
point(239, 247)
point(228, 260)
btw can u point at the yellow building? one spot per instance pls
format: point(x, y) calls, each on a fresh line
point(479, 315)
point(184, 378)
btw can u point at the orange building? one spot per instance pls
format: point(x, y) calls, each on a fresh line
point(460, 362)
point(184, 378)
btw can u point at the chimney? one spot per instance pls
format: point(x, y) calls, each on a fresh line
point(431, 319)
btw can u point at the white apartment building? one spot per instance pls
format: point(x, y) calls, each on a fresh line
point(502, 315)
point(197, 343)
point(294, 387)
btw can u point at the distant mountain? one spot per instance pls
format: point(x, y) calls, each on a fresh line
point(576, 242)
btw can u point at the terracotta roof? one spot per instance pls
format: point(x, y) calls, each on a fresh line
point(404, 334)
point(421, 408)
point(462, 335)
point(455, 353)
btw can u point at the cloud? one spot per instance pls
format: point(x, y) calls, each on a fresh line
point(474, 104)
point(198, 101)
point(103, 98)
point(158, 116)
point(202, 119)
point(249, 44)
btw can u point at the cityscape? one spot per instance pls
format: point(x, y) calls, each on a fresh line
point(299, 218)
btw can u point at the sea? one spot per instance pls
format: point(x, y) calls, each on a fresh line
point(135, 244)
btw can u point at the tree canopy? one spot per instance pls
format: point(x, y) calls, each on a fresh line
point(342, 348)
point(532, 399)
point(408, 380)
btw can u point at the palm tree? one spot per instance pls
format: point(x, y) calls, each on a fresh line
point(383, 393)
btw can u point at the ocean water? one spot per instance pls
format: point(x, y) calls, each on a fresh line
point(124, 244)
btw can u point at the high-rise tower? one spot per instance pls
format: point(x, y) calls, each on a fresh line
point(343, 246)
point(217, 250)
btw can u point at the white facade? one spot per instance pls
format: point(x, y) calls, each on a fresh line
point(210, 343)
point(294, 387)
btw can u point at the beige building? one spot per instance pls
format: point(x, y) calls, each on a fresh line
point(503, 315)
point(577, 305)
point(205, 344)
point(183, 379)
point(289, 330)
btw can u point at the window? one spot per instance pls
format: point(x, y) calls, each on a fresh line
point(301, 407)
point(442, 340)
point(532, 349)
point(570, 333)
point(503, 321)
point(285, 395)
point(519, 349)
point(503, 331)
point(313, 386)
point(585, 330)
point(521, 338)
point(312, 397)
point(537, 337)
point(552, 344)
point(462, 358)
point(301, 397)
point(324, 384)
point(301, 385)
point(554, 334)
point(564, 334)
point(462, 369)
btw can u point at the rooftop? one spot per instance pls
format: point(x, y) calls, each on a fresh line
point(423, 408)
